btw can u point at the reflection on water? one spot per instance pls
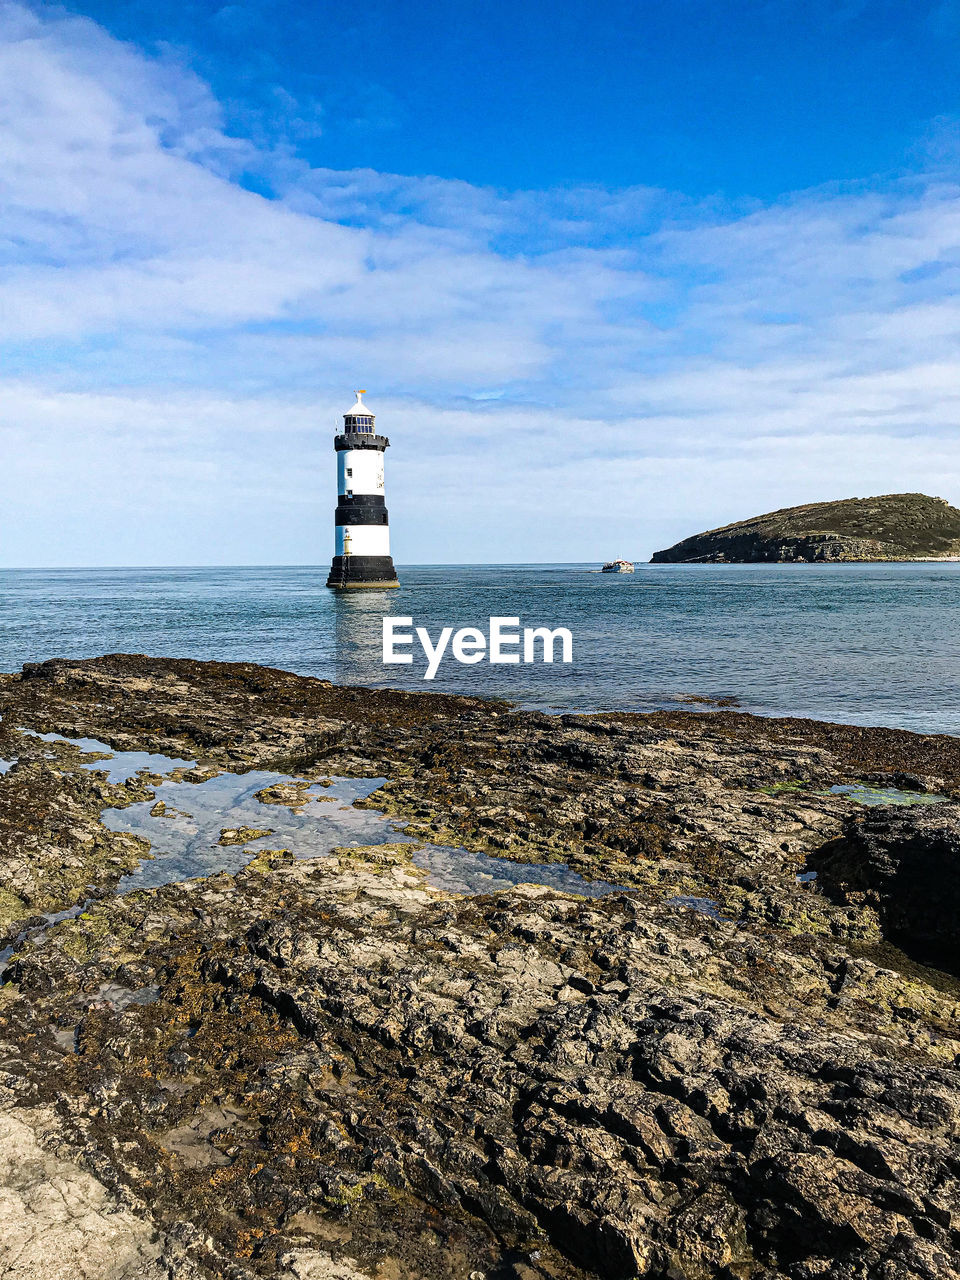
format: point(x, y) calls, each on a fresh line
point(200, 828)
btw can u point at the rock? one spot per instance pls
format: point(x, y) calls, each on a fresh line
point(58, 1223)
point(293, 794)
point(308, 1264)
point(720, 1073)
point(242, 835)
point(906, 865)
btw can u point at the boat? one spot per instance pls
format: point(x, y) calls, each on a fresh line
point(618, 566)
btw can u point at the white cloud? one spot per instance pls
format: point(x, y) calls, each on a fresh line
point(627, 366)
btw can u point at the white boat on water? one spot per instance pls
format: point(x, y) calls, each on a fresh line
point(618, 566)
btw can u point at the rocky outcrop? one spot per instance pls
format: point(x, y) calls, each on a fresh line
point(894, 526)
point(525, 1084)
point(327, 1068)
point(907, 867)
point(58, 1223)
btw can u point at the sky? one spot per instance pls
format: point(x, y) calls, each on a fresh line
point(612, 272)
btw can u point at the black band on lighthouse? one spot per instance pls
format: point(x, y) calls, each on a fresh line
point(347, 514)
point(358, 500)
point(357, 440)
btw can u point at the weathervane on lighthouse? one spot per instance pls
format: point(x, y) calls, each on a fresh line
point(362, 557)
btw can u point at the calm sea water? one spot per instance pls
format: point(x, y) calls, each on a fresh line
point(865, 644)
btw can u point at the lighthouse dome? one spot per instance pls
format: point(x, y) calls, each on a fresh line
point(359, 417)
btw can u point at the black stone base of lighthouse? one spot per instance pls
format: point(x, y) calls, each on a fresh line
point(352, 572)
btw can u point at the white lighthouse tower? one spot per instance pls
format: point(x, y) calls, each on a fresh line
point(362, 557)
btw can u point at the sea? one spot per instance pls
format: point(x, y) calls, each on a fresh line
point(868, 644)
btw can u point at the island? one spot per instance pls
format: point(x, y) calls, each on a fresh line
point(893, 526)
point(573, 998)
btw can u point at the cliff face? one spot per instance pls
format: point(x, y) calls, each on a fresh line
point(894, 526)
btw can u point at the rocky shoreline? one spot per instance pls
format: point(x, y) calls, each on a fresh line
point(743, 1063)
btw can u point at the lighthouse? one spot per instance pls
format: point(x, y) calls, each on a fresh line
point(362, 557)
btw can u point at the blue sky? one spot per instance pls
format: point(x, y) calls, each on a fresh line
point(612, 272)
point(751, 98)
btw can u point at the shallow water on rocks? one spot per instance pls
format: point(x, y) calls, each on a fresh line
point(185, 838)
point(458, 870)
point(49, 918)
point(703, 906)
point(186, 826)
point(863, 793)
point(186, 821)
point(122, 764)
